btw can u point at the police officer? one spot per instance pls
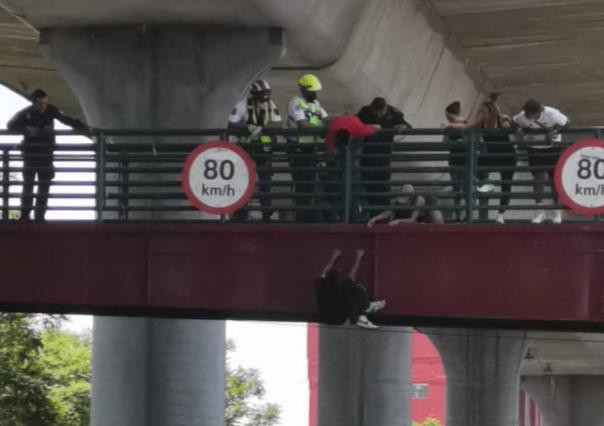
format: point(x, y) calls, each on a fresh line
point(305, 112)
point(255, 113)
point(36, 123)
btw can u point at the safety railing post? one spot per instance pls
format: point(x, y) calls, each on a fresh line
point(470, 141)
point(483, 201)
point(348, 166)
point(225, 137)
point(123, 180)
point(598, 135)
point(100, 176)
point(5, 185)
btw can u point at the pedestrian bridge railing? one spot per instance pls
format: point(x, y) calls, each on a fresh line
point(467, 176)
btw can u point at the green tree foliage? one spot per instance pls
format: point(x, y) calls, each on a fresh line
point(44, 373)
point(45, 378)
point(67, 362)
point(244, 394)
point(24, 398)
point(428, 421)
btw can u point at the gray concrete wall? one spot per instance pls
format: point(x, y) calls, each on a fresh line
point(481, 368)
point(570, 400)
point(397, 49)
point(361, 49)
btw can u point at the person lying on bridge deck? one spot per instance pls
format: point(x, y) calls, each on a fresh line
point(417, 215)
point(344, 300)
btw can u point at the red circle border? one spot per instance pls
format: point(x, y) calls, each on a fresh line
point(251, 168)
point(564, 197)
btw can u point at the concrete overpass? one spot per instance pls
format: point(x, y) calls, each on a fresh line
point(421, 54)
point(148, 63)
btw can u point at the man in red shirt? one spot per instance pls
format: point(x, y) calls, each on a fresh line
point(345, 127)
point(342, 129)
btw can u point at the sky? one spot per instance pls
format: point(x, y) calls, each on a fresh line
point(277, 350)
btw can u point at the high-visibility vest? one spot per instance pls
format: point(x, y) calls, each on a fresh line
point(250, 117)
point(312, 111)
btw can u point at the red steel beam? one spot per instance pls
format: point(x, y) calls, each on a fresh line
point(507, 273)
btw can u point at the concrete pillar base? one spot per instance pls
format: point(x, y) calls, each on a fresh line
point(482, 374)
point(364, 376)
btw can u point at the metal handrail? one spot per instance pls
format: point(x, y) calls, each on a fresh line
point(140, 179)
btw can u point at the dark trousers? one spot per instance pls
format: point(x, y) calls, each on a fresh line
point(546, 159)
point(43, 167)
point(357, 300)
point(380, 183)
point(506, 157)
point(457, 161)
point(376, 182)
point(264, 189)
point(304, 182)
point(333, 186)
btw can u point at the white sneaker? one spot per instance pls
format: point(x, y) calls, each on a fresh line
point(378, 305)
point(539, 218)
point(486, 188)
point(500, 219)
point(557, 218)
point(365, 323)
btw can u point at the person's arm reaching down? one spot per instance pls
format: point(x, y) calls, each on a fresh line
point(419, 203)
point(335, 255)
point(382, 217)
point(357, 263)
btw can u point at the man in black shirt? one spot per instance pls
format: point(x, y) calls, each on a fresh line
point(36, 123)
point(344, 299)
point(376, 149)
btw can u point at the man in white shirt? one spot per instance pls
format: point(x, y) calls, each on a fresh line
point(255, 113)
point(305, 112)
point(544, 149)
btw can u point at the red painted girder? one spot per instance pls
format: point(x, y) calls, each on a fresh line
point(536, 273)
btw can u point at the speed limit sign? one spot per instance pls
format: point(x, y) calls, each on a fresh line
point(218, 177)
point(580, 177)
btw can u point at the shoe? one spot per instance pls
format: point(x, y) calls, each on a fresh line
point(486, 188)
point(378, 305)
point(500, 220)
point(539, 218)
point(557, 218)
point(365, 323)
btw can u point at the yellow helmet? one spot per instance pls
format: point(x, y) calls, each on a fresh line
point(310, 82)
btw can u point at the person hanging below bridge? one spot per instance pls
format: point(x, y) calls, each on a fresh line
point(36, 123)
point(344, 300)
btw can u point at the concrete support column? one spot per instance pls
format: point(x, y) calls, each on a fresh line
point(482, 374)
point(364, 376)
point(157, 372)
point(567, 400)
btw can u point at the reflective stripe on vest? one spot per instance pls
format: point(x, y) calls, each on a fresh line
point(312, 112)
point(250, 117)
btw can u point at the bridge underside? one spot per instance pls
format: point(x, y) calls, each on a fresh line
point(447, 275)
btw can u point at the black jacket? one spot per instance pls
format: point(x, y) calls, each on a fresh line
point(393, 117)
point(38, 127)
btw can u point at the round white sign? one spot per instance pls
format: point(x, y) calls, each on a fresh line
point(219, 177)
point(580, 177)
